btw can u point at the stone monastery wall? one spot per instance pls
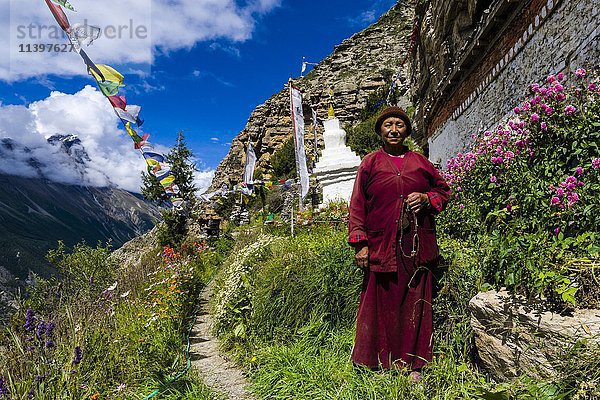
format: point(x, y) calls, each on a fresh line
point(544, 37)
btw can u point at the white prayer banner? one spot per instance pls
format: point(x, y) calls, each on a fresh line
point(298, 125)
point(250, 163)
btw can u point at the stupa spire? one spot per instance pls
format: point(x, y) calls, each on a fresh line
point(330, 111)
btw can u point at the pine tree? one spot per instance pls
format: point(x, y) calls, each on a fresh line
point(182, 167)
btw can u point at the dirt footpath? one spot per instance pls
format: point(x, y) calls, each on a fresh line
point(220, 374)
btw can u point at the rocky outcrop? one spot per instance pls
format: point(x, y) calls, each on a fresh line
point(356, 68)
point(514, 336)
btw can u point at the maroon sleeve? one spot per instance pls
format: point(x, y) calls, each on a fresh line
point(357, 232)
point(440, 191)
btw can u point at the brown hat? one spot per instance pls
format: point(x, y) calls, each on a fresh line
point(393, 112)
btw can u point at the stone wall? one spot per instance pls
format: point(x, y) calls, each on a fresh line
point(546, 36)
point(354, 70)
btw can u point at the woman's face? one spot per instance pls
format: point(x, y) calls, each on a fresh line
point(393, 131)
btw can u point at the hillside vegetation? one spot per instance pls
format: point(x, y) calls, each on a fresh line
point(524, 216)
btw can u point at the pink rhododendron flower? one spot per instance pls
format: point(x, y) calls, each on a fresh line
point(535, 87)
point(572, 198)
point(461, 206)
point(544, 126)
point(509, 207)
point(493, 179)
point(517, 110)
point(580, 72)
point(560, 192)
point(596, 163)
point(560, 76)
point(556, 231)
point(579, 171)
point(558, 87)
point(560, 96)
point(550, 78)
point(549, 110)
point(543, 91)
point(570, 109)
point(535, 117)
point(555, 201)
point(592, 87)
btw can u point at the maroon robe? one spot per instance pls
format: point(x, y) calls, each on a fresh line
point(394, 323)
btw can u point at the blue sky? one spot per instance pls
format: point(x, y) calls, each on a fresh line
point(209, 81)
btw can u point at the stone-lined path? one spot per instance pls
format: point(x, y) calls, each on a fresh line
point(218, 373)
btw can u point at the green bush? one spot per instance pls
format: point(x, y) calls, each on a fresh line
point(283, 161)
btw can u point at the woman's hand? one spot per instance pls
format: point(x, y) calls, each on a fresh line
point(362, 257)
point(417, 201)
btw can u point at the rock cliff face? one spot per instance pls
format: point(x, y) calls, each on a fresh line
point(356, 68)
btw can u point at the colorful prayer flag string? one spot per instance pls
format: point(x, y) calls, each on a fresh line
point(109, 80)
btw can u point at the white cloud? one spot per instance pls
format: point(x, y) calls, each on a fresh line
point(144, 25)
point(110, 159)
point(203, 180)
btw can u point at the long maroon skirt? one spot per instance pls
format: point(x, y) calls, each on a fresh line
point(395, 322)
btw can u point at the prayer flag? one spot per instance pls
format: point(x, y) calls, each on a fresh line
point(81, 35)
point(109, 88)
point(59, 16)
point(118, 102)
point(249, 169)
point(107, 73)
point(130, 113)
point(148, 155)
point(64, 3)
point(298, 132)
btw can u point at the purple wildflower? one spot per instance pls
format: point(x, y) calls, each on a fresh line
point(78, 355)
point(50, 327)
point(29, 320)
point(41, 329)
point(556, 231)
point(31, 393)
point(49, 344)
point(509, 207)
point(3, 388)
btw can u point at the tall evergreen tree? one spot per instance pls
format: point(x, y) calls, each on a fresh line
point(182, 168)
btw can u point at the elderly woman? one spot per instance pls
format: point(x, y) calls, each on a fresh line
point(396, 195)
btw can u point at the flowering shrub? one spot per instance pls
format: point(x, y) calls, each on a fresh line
point(232, 301)
point(528, 192)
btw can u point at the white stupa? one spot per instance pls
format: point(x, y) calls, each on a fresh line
point(336, 169)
